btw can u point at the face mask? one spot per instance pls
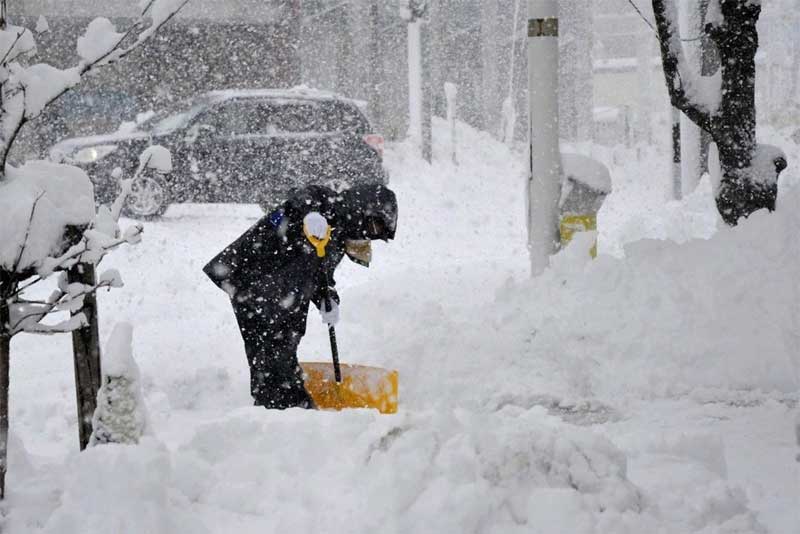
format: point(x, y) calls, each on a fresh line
point(359, 250)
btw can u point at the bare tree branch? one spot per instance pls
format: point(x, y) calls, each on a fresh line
point(114, 54)
point(27, 232)
point(14, 133)
point(4, 61)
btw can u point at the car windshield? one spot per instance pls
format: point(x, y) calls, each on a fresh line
point(174, 116)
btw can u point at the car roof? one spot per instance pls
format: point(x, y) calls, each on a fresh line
point(295, 93)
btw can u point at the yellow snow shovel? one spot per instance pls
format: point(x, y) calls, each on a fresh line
point(337, 387)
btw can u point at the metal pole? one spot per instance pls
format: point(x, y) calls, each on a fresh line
point(677, 181)
point(425, 91)
point(415, 83)
point(544, 180)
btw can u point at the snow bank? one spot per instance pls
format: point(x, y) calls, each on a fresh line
point(669, 318)
point(511, 471)
point(61, 195)
point(497, 373)
point(443, 472)
point(113, 488)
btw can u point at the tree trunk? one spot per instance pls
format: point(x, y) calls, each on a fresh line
point(735, 128)
point(5, 361)
point(86, 351)
point(709, 67)
point(733, 125)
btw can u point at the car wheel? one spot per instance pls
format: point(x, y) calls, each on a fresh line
point(148, 198)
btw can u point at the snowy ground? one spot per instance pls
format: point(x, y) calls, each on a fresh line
point(654, 392)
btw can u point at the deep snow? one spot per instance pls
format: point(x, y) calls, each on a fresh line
point(651, 390)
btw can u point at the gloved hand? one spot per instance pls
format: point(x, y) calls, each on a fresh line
point(329, 316)
point(316, 225)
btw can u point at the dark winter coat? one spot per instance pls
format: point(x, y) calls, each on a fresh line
point(274, 260)
point(272, 272)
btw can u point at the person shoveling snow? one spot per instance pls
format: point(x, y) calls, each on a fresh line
point(286, 260)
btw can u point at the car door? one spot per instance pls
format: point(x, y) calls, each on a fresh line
point(201, 144)
point(226, 152)
point(297, 140)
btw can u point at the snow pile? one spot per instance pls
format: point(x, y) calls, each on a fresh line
point(113, 488)
point(686, 482)
point(512, 471)
point(120, 414)
point(447, 472)
point(37, 202)
point(498, 376)
point(670, 318)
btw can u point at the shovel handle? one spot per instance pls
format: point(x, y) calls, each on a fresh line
point(337, 371)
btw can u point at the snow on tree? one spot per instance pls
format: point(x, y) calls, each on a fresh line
point(120, 415)
point(47, 218)
point(723, 105)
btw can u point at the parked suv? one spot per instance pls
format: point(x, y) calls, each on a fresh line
point(249, 146)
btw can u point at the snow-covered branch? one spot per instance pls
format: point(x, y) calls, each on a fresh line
point(102, 235)
point(27, 90)
point(685, 89)
point(26, 316)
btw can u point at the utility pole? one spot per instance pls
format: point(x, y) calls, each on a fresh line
point(419, 93)
point(376, 70)
point(544, 181)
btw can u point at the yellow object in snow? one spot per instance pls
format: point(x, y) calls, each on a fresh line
point(572, 224)
point(361, 387)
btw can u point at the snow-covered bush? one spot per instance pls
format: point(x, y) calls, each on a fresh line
point(120, 415)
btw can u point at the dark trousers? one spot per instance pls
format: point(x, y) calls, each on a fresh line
point(271, 335)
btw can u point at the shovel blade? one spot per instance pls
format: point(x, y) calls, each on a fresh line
point(361, 387)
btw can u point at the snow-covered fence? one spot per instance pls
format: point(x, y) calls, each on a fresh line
point(48, 222)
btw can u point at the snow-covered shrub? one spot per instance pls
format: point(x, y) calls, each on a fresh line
point(120, 415)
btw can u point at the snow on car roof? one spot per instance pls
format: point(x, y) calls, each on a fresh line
point(295, 93)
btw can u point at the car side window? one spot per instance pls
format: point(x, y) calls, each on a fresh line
point(236, 118)
point(339, 117)
point(291, 118)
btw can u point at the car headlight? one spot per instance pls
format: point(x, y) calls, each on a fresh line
point(92, 153)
